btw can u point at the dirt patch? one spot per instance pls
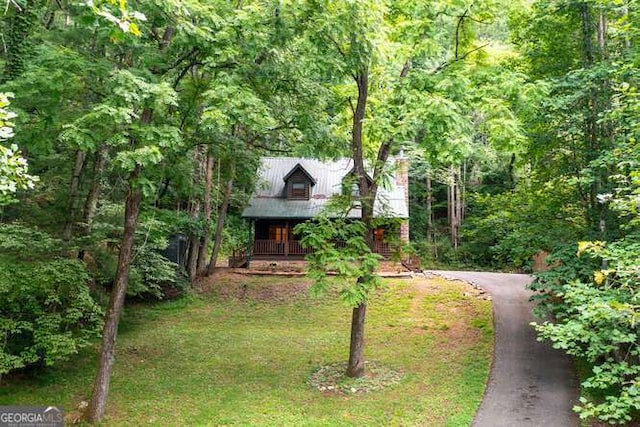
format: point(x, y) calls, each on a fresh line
point(300, 266)
point(279, 266)
point(460, 335)
point(453, 324)
point(228, 284)
point(331, 379)
point(459, 331)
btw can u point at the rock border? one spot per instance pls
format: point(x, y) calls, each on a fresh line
point(331, 379)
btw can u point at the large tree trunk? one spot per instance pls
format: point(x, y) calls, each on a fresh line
point(204, 241)
point(70, 221)
point(355, 368)
point(97, 405)
point(222, 214)
point(96, 409)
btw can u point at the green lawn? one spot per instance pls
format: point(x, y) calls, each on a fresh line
point(241, 354)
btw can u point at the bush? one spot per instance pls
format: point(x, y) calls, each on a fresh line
point(151, 277)
point(46, 312)
point(154, 276)
point(594, 297)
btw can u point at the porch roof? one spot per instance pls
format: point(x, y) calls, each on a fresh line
point(268, 201)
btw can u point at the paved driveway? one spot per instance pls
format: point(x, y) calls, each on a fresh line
point(530, 384)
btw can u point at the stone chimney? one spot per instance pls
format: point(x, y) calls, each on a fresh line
point(402, 179)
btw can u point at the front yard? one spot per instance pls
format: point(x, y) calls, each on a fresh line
point(241, 353)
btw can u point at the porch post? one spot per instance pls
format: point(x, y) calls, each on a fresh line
point(286, 242)
point(251, 226)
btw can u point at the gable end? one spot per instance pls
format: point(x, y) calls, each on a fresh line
point(298, 183)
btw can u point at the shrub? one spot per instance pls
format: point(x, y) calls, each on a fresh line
point(595, 298)
point(152, 276)
point(46, 311)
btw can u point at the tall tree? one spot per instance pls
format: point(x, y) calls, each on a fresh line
point(387, 51)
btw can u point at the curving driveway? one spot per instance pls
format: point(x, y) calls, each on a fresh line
point(530, 383)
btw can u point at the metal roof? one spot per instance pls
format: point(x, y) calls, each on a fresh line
point(268, 199)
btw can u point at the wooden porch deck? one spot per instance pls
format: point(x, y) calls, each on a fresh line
point(290, 249)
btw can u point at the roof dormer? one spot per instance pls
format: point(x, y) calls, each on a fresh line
point(298, 183)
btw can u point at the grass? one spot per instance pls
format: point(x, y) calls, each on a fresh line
point(242, 353)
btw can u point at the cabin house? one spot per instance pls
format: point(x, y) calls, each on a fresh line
point(292, 190)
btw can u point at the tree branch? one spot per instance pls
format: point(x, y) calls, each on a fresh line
point(166, 38)
point(184, 72)
point(457, 59)
point(405, 69)
point(269, 149)
point(458, 27)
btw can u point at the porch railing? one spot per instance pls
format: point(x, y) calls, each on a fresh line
point(274, 247)
point(293, 247)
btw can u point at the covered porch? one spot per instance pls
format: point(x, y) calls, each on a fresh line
point(276, 240)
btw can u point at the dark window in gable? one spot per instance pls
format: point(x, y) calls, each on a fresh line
point(299, 190)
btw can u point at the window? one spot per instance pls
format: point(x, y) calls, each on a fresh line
point(278, 233)
point(298, 190)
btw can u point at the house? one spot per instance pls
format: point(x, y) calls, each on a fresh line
point(292, 190)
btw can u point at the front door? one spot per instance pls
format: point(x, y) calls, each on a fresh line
point(279, 235)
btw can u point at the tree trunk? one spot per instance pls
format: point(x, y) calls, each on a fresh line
point(598, 135)
point(450, 209)
point(429, 209)
point(96, 409)
point(355, 368)
point(194, 212)
point(194, 243)
point(587, 34)
point(222, 213)
point(17, 39)
point(97, 405)
point(459, 199)
point(453, 206)
point(204, 241)
point(67, 232)
point(602, 35)
point(91, 202)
